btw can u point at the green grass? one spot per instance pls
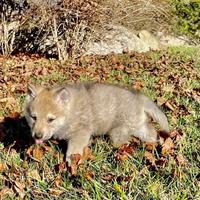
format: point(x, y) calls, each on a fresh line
point(176, 79)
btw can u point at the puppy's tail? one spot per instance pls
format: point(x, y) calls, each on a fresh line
point(151, 109)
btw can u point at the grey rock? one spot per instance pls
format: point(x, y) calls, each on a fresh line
point(116, 39)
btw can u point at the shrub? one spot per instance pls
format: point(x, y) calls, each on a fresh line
point(62, 28)
point(188, 17)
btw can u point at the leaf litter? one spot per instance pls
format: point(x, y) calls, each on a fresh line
point(98, 68)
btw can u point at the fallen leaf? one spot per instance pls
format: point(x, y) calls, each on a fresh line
point(56, 192)
point(60, 167)
point(47, 148)
point(124, 151)
point(87, 155)
point(108, 177)
point(89, 175)
point(138, 85)
point(121, 157)
point(34, 174)
point(124, 178)
point(169, 105)
point(161, 101)
point(126, 148)
point(75, 161)
point(150, 157)
point(161, 162)
point(167, 147)
point(15, 115)
point(30, 151)
point(38, 153)
point(35, 152)
point(58, 181)
point(19, 188)
point(173, 133)
point(181, 160)
point(3, 167)
point(150, 146)
point(135, 141)
point(20, 185)
point(6, 192)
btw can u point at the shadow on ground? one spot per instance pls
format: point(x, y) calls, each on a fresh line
point(15, 131)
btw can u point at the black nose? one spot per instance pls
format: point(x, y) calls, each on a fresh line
point(38, 135)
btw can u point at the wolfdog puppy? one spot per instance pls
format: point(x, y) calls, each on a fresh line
point(76, 112)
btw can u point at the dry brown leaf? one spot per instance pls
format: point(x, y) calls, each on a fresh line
point(3, 167)
point(75, 161)
point(181, 160)
point(138, 85)
point(56, 192)
point(121, 157)
point(58, 181)
point(1, 119)
point(15, 115)
point(34, 174)
point(173, 133)
point(35, 152)
point(20, 185)
point(150, 146)
point(30, 151)
point(170, 106)
point(168, 147)
point(38, 153)
point(6, 192)
point(60, 167)
point(161, 101)
point(124, 151)
point(108, 177)
point(87, 155)
point(47, 148)
point(126, 148)
point(135, 141)
point(19, 188)
point(89, 175)
point(124, 178)
point(150, 157)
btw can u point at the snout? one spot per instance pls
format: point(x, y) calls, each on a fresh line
point(38, 137)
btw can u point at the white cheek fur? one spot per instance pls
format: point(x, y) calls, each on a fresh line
point(29, 120)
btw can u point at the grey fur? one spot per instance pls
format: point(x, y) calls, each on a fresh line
point(87, 109)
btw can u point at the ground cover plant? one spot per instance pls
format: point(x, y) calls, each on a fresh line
point(137, 171)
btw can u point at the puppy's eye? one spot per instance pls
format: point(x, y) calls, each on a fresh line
point(50, 119)
point(33, 117)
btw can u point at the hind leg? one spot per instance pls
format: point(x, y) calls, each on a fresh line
point(147, 133)
point(119, 136)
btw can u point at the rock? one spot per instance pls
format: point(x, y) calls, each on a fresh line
point(116, 39)
point(170, 40)
point(149, 39)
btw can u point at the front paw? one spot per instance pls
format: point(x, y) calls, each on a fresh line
point(73, 160)
point(68, 160)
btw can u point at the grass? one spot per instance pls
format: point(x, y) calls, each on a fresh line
point(171, 74)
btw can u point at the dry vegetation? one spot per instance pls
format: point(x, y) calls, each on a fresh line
point(64, 29)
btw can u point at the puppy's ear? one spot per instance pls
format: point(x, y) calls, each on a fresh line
point(32, 91)
point(62, 95)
